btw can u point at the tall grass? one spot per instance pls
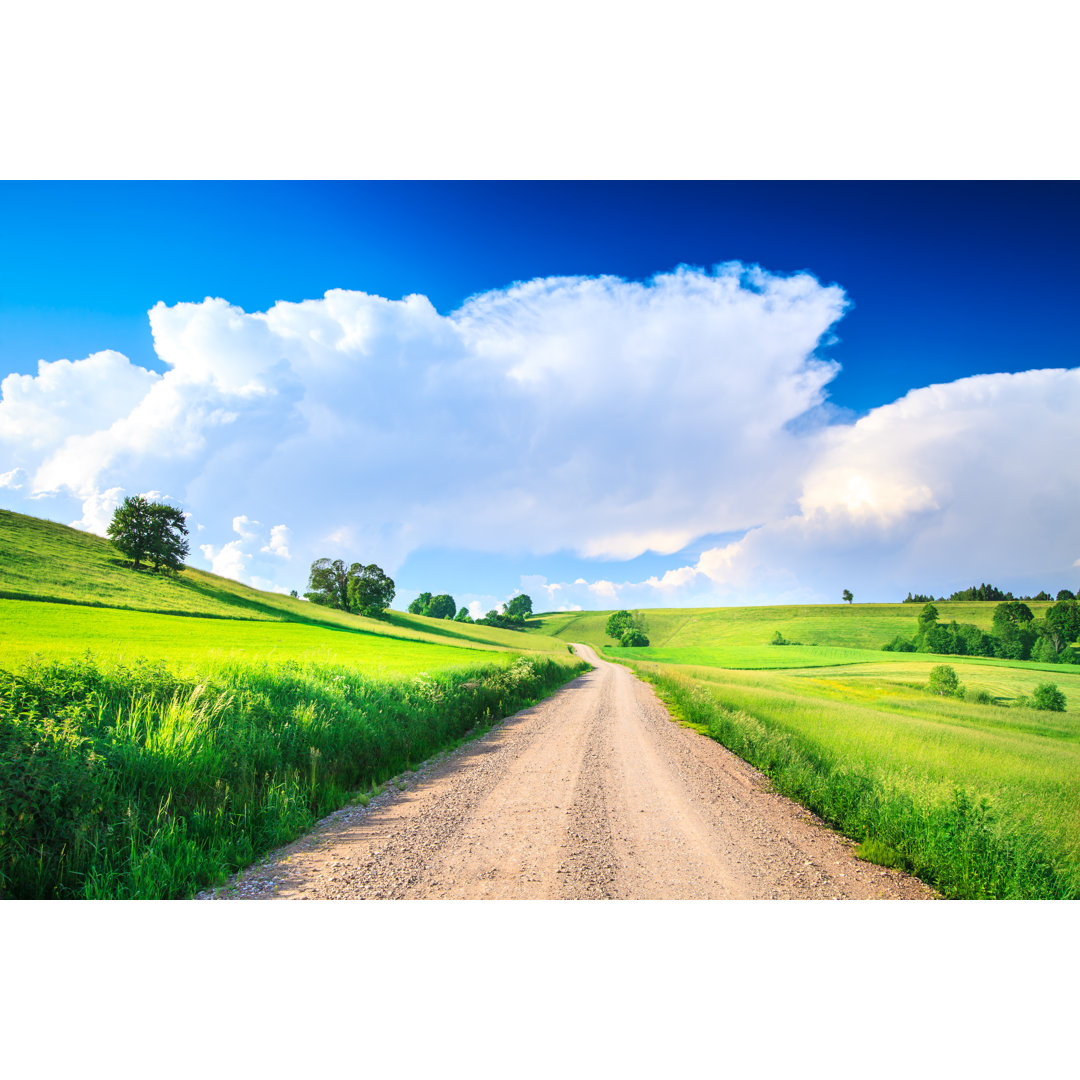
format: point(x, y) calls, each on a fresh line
point(948, 834)
point(124, 781)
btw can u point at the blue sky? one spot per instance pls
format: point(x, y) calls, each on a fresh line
point(937, 282)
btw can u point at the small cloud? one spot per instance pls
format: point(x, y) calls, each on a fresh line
point(240, 525)
point(279, 542)
point(227, 561)
point(476, 610)
point(12, 479)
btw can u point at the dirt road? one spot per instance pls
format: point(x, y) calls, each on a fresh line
point(594, 793)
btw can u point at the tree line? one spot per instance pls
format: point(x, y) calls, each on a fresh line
point(442, 606)
point(1014, 635)
point(986, 592)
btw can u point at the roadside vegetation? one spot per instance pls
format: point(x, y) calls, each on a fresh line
point(139, 781)
point(159, 731)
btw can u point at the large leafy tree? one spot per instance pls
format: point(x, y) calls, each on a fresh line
point(369, 589)
point(420, 605)
point(364, 590)
point(520, 605)
point(441, 607)
point(151, 532)
point(328, 583)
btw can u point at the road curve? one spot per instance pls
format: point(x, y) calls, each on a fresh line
point(592, 794)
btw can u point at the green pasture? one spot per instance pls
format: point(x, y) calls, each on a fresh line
point(980, 800)
point(62, 630)
point(850, 626)
point(45, 561)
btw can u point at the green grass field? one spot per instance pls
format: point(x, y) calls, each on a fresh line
point(978, 799)
point(160, 731)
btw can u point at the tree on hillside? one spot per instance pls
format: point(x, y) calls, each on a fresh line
point(441, 607)
point(357, 588)
point(463, 615)
point(328, 584)
point(848, 595)
point(520, 605)
point(154, 532)
point(420, 605)
point(633, 638)
point(370, 590)
point(944, 681)
point(618, 622)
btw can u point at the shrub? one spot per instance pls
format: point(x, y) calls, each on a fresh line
point(1048, 697)
point(944, 681)
point(982, 697)
point(633, 638)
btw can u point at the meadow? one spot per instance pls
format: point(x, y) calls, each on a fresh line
point(977, 797)
point(158, 732)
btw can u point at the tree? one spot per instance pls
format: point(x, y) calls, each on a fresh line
point(328, 584)
point(463, 615)
point(848, 596)
point(441, 607)
point(155, 532)
point(928, 618)
point(1047, 696)
point(944, 681)
point(519, 605)
point(1066, 594)
point(617, 623)
point(357, 588)
point(633, 638)
point(370, 590)
point(420, 605)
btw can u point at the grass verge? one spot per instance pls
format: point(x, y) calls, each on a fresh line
point(145, 781)
point(938, 825)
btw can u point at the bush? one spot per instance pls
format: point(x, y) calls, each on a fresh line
point(633, 639)
point(944, 681)
point(982, 697)
point(1048, 697)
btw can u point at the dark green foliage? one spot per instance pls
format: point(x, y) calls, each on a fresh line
point(370, 591)
point(363, 590)
point(899, 644)
point(1048, 697)
point(328, 584)
point(142, 782)
point(420, 605)
point(463, 615)
point(154, 532)
point(848, 597)
point(944, 681)
point(1066, 594)
point(441, 607)
point(434, 607)
point(501, 619)
point(633, 638)
point(918, 598)
point(621, 621)
point(982, 592)
point(928, 618)
point(520, 605)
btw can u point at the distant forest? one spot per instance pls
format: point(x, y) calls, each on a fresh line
point(1015, 634)
point(986, 592)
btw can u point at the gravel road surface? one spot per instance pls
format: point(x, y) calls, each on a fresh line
point(592, 794)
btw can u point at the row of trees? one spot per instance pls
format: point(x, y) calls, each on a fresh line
point(1014, 635)
point(150, 533)
point(631, 631)
point(986, 592)
point(512, 617)
point(363, 590)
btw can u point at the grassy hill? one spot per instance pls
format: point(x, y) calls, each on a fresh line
point(158, 732)
point(850, 626)
point(54, 581)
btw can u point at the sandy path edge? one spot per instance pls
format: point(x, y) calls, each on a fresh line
point(593, 793)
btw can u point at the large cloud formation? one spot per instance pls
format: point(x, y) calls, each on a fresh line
point(593, 415)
